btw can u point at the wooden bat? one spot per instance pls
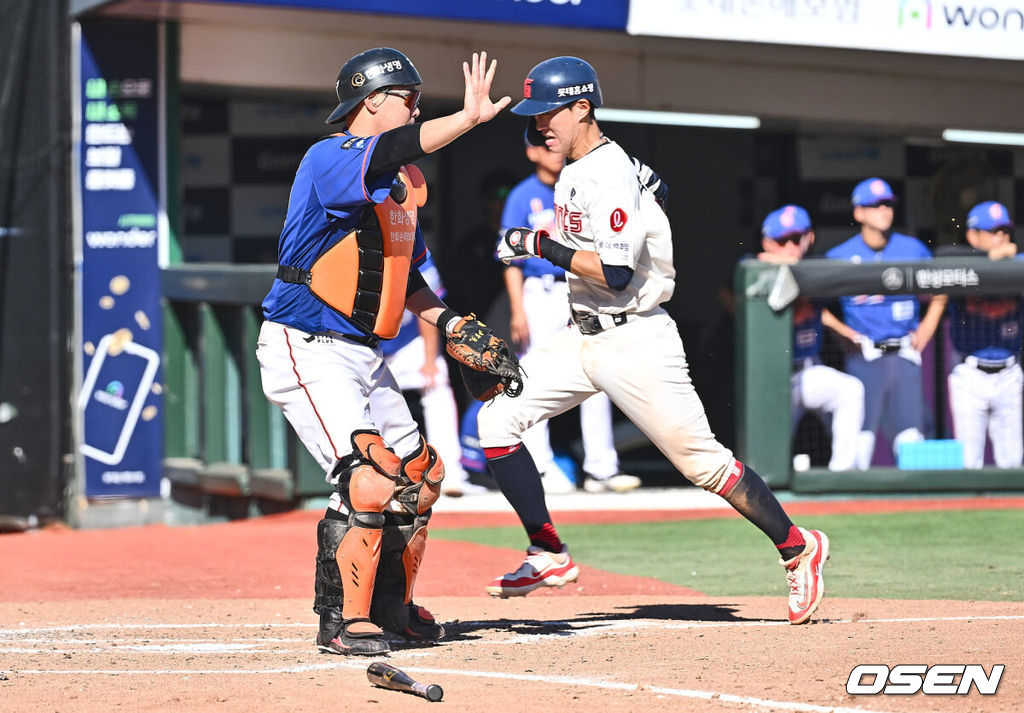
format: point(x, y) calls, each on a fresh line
point(385, 676)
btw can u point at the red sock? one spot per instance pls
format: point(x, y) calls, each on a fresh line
point(793, 545)
point(546, 538)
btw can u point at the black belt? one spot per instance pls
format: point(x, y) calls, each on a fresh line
point(889, 345)
point(992, 368)
point(295, 275)
point(367, 340)
point(591, 323)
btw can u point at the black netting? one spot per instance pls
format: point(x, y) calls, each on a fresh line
point(35, 282)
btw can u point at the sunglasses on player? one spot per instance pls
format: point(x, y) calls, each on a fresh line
point(411, 97)
point(794, 238)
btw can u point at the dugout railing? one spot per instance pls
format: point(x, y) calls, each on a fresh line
point(764, 364)
point(226, 447)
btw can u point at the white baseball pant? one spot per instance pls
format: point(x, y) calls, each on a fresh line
point(821, 388)
point(440, 414)
point(546, 303)
point(328, 387)
point(642, 367)
point(981, 401)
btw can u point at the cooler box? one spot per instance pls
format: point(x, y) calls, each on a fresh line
point(946, 454)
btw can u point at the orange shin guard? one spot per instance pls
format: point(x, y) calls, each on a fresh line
point(411, 559)
point(358, 556)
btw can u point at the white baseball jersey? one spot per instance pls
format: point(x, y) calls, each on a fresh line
point(601, 207)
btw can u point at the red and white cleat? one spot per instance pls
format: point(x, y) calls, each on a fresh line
point(540, 569)
point(804, 574)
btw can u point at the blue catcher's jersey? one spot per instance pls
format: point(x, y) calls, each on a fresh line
point(410, 329)
point(806, 329)
point(531, 204)
point(881, 317)
point(327, 201)
point(986, 327)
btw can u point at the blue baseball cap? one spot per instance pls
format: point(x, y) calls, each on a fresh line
point(989, 215)
point(872, 191)
point(785, 221)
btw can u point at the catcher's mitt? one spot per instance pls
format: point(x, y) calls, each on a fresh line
point(486, 362)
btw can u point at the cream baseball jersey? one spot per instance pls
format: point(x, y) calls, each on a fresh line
point(600, 206)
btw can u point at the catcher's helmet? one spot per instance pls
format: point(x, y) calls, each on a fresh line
point(369, 71)
point(556, 82)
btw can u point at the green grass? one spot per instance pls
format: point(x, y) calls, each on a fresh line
point(915, 555)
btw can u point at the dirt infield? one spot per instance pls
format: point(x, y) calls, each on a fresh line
point(217, 618)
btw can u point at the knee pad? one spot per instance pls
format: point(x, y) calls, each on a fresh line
point(402, 548)
point(419, 485)
point(365, 479)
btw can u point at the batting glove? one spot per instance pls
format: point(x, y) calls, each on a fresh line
point(519, 244)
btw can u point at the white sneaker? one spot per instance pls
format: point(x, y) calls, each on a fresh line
point(619, 483)
point(556, 482)
point(540, 569)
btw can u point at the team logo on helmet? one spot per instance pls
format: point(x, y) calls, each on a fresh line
point(358, 79)
point(526, 87)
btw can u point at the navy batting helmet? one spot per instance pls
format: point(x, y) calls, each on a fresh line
point(369, 71)
point(556, 82)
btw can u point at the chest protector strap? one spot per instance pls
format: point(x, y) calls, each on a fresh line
point(364, 275)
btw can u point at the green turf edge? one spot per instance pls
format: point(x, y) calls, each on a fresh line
point(959, 555)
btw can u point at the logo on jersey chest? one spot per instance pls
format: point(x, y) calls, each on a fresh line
point(571, 221)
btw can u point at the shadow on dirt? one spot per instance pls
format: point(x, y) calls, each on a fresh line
point(474, 630)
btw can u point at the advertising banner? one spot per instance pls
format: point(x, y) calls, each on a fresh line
point(992, 29)
point(118, 180)
point(597, 14)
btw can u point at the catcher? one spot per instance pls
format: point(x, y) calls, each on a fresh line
point(349, 255)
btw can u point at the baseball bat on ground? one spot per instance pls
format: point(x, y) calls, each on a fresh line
point(385, 676)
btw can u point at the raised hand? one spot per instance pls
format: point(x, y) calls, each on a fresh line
point(477, 105)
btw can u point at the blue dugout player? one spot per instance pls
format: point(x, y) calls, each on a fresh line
point(887, 330)
point(786, 236)
point(349, 255)
point(985, 387)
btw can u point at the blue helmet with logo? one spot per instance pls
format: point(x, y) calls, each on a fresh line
point(556, 82)
point(366, 73)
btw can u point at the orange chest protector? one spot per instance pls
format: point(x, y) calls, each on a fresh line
point(364, 276)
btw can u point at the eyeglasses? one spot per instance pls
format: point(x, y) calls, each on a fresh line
point(411, 97)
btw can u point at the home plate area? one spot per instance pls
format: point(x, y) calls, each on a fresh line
point(597, 653)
